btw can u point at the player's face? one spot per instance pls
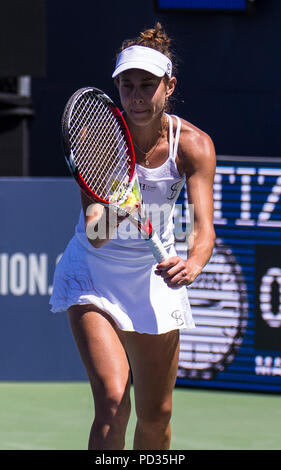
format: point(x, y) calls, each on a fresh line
point(142, 95)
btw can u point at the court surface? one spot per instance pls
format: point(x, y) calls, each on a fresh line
point(57, 416)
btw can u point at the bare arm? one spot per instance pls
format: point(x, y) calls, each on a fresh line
point(100, 222)
point(198, 162)
point(200, 179)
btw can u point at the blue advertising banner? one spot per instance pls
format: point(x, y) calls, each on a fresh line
point(235, 5)
point(37, 220)
point(236, 301)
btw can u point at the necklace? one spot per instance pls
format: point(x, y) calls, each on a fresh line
point(146, 159)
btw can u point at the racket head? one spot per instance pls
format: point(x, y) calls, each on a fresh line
point(98, 147)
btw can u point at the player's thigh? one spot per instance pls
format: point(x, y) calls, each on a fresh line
point(99, 343)
point(154, 363)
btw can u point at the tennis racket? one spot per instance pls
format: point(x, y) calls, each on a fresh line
point(100, 155)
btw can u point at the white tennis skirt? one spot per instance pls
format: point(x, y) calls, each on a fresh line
point(129, 291)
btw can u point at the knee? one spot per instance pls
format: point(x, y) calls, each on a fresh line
point(156, 418)
point(113, 407)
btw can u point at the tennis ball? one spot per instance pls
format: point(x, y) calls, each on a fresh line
point(136, 192)
point(117, 193)
point(114, 185)
point(130, 203)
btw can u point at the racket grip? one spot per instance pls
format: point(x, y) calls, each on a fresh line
point(157, 248)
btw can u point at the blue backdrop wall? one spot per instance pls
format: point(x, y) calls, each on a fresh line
point(235, 301)
point(35, 344)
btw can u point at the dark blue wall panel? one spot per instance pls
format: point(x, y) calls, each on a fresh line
point(228, 74)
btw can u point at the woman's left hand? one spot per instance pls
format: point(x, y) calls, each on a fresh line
point(177, 272)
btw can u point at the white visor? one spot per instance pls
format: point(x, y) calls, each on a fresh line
point(144, 58)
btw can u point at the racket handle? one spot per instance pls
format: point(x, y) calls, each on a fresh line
point(157, 248)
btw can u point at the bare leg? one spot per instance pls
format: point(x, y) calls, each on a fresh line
point(154, 362)
point(105, 360)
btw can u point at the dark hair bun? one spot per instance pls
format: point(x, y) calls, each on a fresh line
point(156, 38)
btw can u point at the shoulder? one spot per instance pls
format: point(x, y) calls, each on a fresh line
point(196, 149)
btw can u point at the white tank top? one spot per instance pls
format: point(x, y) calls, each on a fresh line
point(160, 188)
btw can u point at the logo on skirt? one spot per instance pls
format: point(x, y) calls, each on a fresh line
point(176, 314)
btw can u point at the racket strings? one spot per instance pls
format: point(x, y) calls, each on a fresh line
point(99, 148)
point(113, 147)
point(84, 138)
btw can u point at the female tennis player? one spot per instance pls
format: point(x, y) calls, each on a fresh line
point(125, 310)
